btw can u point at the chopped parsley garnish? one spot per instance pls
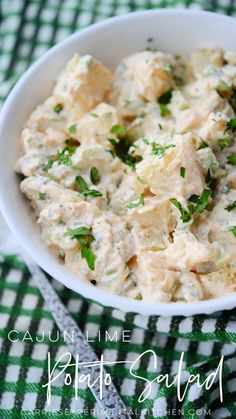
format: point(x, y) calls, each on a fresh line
point(231, 206)
point(112, 141)
point(136, 204)
point(95, 115)
point(231, 124)
point(160, 150)
point(233, 230)
point(119, 130)
point(185, 215)
point(225, 141)
point(58, 108)
point(94, 175)
point(200, 201)
point(131, 160)
point(182, 171)
point(42, 196)
point(165, 111)
point(165, 98)
point(64, 156)
point(232, 159)
point(203, 145)
point(122, 148)
point(84, 188)
point(87, 254)
point(48, 165)
point(84, 236)
point(73, 129)
point(193, 198)
point(138, 296)
point(79, 232)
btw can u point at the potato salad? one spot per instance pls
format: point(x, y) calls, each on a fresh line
point(132, 176)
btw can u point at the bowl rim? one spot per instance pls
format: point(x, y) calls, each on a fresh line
point(51, 266)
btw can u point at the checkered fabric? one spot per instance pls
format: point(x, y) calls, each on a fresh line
point(28, 28)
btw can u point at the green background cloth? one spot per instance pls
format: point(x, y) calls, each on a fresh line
point(28, 29)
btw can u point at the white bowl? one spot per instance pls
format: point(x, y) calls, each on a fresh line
point(178, 31)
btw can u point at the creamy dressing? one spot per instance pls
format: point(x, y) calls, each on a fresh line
point(132, 176)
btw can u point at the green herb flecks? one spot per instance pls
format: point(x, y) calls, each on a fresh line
point(94, 115)
point(131, 160)
point(58, 108)
point(90, 257)
point(233, 230)
point(84, 236)
point(201, 200)
point(231, 206)
point(165, 111)
point(185, 215)
point(73, 128)
point(231, 124)
point(182, 172)
point(165, 98)
point(160, 150)
point(42, 196)
point(126, 154)
point(232, 159)
point(64, 156)
point(136, 204)
point(84, 188)
point(94, 175)
point(119, 130)
point(203, 145)
point(138, 296)
point(79, 232)
point(200, 205)
point(225, 141)
point(48, 165)
point(112, 141)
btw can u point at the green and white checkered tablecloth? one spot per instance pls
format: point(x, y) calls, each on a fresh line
point(27, 29)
